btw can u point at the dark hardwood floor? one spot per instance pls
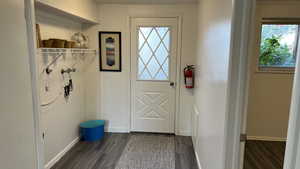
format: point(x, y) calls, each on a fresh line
point(105, 154)
point(184, 153)
point(264, 155)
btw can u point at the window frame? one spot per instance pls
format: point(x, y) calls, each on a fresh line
point(277, 21)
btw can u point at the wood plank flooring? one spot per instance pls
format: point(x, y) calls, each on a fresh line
point(106, 153)
point(184, 153)
point(264, 155)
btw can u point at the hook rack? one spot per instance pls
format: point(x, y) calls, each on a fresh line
point(59, 52)
point(55, 55)
point(69, 70)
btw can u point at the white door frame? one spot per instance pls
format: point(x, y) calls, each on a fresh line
point(238, 91)
point(178, 67)
point(32, 51)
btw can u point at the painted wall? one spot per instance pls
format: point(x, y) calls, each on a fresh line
point(114, 87)
point(17, 148)
point(53, 26)
point(60, 119)
point(214, 31)
point(93, 77)
point(82, 8)
point(270, 94)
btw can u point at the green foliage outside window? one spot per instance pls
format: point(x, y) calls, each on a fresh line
point(272, 53)
point(278, 44)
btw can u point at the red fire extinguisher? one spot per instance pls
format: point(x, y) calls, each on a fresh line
point(188, 72)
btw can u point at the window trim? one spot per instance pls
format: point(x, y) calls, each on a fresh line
point(277, 69)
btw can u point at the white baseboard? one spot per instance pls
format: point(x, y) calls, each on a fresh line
point(117, 129)
point(197, 159)
point(61, 154)
point(126, 130)
point(183, 133)
point(265, 138)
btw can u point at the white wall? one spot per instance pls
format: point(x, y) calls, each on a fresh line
point(270, 93)
point(60, 120)
point(214, 26)
point(82, 8)
point(17, 148)
point(93, 77)
point(53, 26)
point(114, 99)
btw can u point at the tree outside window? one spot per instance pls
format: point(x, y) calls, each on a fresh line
point(278, 45)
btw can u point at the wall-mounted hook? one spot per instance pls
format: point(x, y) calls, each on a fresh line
point(48, 70)
point(69, 70)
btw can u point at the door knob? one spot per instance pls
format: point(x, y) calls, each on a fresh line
point(172, 84)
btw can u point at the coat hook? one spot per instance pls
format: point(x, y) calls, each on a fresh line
point(69, 70)
point(48, 70)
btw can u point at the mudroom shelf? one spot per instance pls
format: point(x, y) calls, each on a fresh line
point(57, 53)
point(66, 51)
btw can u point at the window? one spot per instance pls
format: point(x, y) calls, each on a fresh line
point(154, 53)
point(278, 45)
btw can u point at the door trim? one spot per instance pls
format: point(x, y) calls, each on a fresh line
point(31, 42)
point(178, 68)
point(237, 93)
point(237, 90)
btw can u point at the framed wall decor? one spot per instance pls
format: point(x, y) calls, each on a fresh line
point(110, 51)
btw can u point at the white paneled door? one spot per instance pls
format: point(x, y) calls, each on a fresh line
point(153, 74)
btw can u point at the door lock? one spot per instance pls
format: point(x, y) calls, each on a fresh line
point(172, 84)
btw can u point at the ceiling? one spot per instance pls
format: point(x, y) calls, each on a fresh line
point(278, 0)
point(146, 1)
point(170, 1)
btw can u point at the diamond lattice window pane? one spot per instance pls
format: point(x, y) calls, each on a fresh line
point(153, 67)
point(161, 75)
point(141, 40)
point(146, 31)
point(166, 40)
point(141, 66)
point(145, 53)
point(154, 46)
point(153, 40)
point(162, 31)
point(145, 75)
point(165, 66)
point(161, 54)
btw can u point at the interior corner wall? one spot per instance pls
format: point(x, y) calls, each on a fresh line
point(92, 77)
point(212, 67)
point(59, 120)
point(115, 86)
point(269, 93)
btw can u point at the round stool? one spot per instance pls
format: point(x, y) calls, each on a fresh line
point(92, 130)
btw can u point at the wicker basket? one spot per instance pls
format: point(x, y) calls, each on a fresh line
point(58, 43)
point(68, 44)
point(48, 43)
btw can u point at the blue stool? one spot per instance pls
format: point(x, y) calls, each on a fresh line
point(92, 130)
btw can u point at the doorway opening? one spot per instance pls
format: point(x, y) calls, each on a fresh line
point(272, 55)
